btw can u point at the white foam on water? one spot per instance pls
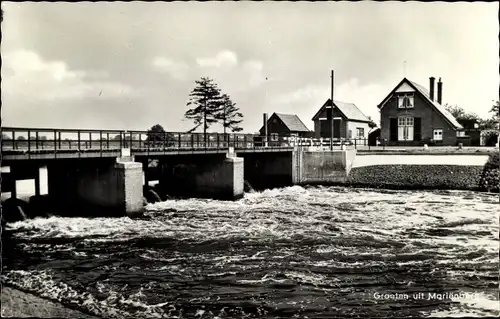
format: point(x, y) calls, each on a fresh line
point(363, 222)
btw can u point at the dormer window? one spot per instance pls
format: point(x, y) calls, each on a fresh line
point(405, 101)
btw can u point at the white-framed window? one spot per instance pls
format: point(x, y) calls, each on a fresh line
point(274, 137)
point(360, 132)
point(405, 101)
point(460, 133)
point(438, 135)
point(405, 128)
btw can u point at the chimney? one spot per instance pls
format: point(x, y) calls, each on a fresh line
point(265, 124)
point(440, 91)
point(431, 87)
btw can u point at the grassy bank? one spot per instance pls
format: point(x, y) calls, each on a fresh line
point(458, 177)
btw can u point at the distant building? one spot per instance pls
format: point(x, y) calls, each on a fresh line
point(348, 121)
point(409, 115)
point(472, 132)
point(284, 125)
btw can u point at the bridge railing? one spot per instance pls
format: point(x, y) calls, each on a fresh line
point(336, 143)
point(20, 139)
point(71, 140)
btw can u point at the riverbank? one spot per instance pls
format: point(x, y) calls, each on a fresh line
point(452, 177)
point(463, 172)
point(19, 304)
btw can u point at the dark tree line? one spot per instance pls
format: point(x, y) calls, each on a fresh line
point(490, 123)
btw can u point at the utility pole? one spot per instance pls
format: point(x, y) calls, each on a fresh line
point(331, 111)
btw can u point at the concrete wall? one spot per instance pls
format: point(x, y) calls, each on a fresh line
point(325, 166)
point(269, 170)
point(212, 176)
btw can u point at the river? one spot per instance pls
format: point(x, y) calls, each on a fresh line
point(317, 252)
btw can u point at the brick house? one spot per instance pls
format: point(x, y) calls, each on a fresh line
point(348, 121)
point(409, 115)
point(280, 124)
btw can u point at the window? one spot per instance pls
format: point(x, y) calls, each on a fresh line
point(406, 101)
point(360, 132)
point(460, 133)
point(350, 133)
point(274, 137)
point(438, 135)
point(405, 128)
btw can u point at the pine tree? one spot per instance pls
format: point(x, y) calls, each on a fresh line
point(229, 114)
point(206, 99)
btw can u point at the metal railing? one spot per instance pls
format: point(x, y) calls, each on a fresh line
point(18, 139)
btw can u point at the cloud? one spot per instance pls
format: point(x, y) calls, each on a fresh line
point(27, 76)
point(254, 71)
point(224, 59)
point(178, 70)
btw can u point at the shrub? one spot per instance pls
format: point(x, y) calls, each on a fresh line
point(417, 177)
point(493, 161)
point(489, 137)
point(490, 177)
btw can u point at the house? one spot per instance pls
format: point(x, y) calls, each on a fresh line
point(409, 115)
point(472, 132)
point(284, 125)
point(348, 121)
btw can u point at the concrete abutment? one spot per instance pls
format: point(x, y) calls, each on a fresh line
point(97, 186)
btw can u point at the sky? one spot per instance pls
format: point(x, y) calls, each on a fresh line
point(117, 65)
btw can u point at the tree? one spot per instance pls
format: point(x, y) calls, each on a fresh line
point(6, 137)
point(495, 109)
point(460, 114)
point(156, 136)
point(206, 101)
point(371, 124)
point(229, 114)
point(21, 138)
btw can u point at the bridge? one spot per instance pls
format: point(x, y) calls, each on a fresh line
point(50, 143)
point(107, 169)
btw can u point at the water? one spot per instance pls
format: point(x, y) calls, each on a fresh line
point(317, 252)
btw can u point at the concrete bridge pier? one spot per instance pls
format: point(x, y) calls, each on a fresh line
point(109, 187)
point(214, 176)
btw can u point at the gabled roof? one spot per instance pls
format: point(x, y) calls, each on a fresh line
point(425, 94)
point(291, 121)
point(349, 110)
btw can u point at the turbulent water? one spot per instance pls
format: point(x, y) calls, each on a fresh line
point(316, 252)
